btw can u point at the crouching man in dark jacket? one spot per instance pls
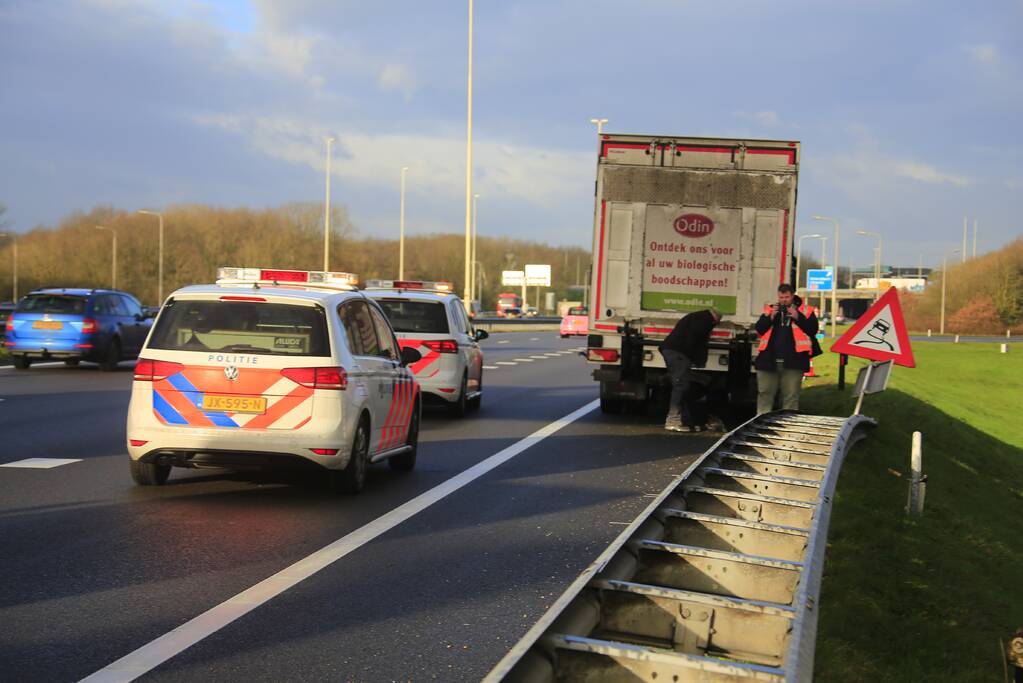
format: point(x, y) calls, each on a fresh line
point(686, 348)
point(787, 330)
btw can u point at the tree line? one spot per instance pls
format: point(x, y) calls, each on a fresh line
point(198, 239)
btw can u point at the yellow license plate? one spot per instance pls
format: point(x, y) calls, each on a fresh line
point(234, 404)
point(47, 325)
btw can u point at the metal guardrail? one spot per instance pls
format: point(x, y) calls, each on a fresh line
point(717, 580)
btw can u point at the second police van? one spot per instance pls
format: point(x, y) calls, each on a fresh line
point(273, 367)
point(429, 317)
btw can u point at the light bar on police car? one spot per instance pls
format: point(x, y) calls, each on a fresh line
point(227, 275)
point(439, 286)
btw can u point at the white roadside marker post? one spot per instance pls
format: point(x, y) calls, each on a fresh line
point(917, 480)
point(1005, 348)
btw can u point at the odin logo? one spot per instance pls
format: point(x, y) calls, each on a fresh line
point(694, 225)
point(231, 373)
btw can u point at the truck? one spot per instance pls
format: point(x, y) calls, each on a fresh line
point(683, 224)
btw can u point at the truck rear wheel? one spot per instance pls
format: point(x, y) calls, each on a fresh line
point(611, 406)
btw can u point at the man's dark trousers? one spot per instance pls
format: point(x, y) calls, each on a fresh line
point(679, 409)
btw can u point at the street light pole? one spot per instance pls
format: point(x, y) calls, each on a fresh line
point(468, 171)
point(799, 255)
point(834, 285)
point(113, 256)
point(401, 228)
point(944, 281)
point(14, 257)
point(159, 294)
point(326, 212)
point(472, 290)
point(877, 261)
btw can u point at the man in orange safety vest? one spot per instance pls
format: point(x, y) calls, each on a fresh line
point(787, 329)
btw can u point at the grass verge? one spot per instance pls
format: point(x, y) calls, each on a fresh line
point(915, 599)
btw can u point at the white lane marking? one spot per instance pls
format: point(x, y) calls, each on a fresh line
point(524, 360)
point(534, 339)
point(41, 463)
point(505, 341)
point(552, 355)
point(539, 357)
point(34, 365)
point(505, 362)
point(490, 367)
point(155, 653)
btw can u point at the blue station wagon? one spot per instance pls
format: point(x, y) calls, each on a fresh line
point(105, 326)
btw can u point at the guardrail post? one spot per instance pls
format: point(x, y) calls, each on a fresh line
point(917, 480)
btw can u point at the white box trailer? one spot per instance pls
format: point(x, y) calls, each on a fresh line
point(682, 224)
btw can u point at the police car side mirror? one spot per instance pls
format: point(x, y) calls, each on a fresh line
point(409, 356)
point(480, 335)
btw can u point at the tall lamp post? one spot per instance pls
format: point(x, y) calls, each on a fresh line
point(877, 261)
point(468, 171)
point(159, 290)
point(944, 281)
point(834, 285)
point(326, 211)
point(599, 123)
point(472, 290)
point(799, 254)
point(401, 228)
point(14, 258)
point(113, 256)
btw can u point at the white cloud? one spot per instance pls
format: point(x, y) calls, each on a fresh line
point(767, 119)
point(925, 173)
point(984, 54)
point(533, 175)
point(397, 77)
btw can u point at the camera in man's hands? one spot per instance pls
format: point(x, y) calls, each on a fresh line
point(783, 310)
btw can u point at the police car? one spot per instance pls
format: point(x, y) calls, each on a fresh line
point(273, 367)
point(428, 317)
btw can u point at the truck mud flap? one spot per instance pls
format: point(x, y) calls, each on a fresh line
point(717, 580)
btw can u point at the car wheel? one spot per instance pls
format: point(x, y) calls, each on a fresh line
point(564, 336)
point(112, 357)
point(407, 460)
point(21, 362)
point(460, 407)
point(477, 401)
point(149, 473)
point(352, 479)
point(72, 362)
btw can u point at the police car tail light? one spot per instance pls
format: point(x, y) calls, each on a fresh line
point(9, 325)
point(148, 370)
point(602, 355)
point(318, 378)
point(90, 326)
point(442, 345)
point(325, 451)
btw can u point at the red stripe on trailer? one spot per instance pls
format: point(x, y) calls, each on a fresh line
point(784, 244)
point(600, 258)
point(613, 328)
point(621, 145)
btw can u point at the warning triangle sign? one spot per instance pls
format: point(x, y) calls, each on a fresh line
point(879, 334)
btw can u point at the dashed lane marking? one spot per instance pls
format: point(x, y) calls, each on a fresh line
point(41, 463)
point(506, 362)
point(490, 367)
point(539, 357)
point(524, 360)
point(155, 653)
point(504, 341)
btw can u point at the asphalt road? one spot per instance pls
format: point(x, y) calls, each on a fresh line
point(96, 568)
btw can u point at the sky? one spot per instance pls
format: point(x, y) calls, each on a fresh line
point(909, 112)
